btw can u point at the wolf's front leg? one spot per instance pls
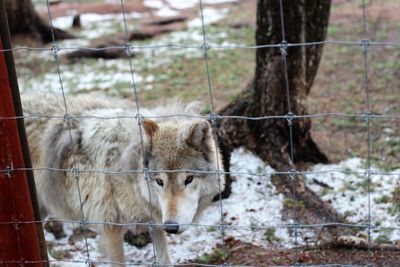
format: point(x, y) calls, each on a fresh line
point(160, 242)
point(112, 244)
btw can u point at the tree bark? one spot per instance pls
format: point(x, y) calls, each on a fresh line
point(266, 95)
point(23, 19)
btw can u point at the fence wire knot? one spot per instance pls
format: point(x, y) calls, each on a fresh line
point(54, 50)
point(146, 173)
point(218, 173)
point(289, 118)
point(139, 117)
point(367, 116)
point(205, 47)
point(83, 225)
point(365, 43)
point(283, 47)
point(9, 171)
point(213, 118)
point(89, 262)
point(67, 117)
point(75, 172)
point(368, 173)
point(152, 226)
point(129, 50)
point(222, 229)
point(294, 224)
point(293, 173)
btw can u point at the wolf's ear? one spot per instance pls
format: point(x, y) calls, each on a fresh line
point(199, 135)
point(150, 127)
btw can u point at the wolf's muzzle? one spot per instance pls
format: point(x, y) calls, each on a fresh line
point(170, 227)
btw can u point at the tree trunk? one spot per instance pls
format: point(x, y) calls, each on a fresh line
point(23, 19)
point(266, 95)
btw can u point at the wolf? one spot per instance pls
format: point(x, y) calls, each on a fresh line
point(129, 170)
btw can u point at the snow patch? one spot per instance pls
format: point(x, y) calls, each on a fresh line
point(182, 4)
point(213, 2)
point(154, 3)
point(349, 194)
point(166, 12)
point(211, 15)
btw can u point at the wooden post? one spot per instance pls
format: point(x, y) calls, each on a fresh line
point(21, 236)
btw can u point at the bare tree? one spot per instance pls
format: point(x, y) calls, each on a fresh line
point(23, 19)
point(266, 95)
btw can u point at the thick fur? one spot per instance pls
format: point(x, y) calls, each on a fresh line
point(176, 143)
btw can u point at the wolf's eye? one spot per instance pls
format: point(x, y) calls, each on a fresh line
point(160, 182)
point(189, 179)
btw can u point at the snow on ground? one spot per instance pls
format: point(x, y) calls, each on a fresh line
point(254, 202)
point(350, 195)
point(153, 3)
point(210, 15)
point(114, 75)
point(166, 12)
point(98, 25)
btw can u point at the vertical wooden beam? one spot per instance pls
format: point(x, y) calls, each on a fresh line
point(21, 237)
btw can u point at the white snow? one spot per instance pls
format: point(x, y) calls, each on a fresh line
point(182, 4)
point(213, 2)
point(166, 12)
point(211, 15)
point(63, 22)
point(97, 25)
point(153, 3)
point(350, 194)
point(97, 74)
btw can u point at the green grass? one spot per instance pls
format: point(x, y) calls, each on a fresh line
point(270, 235)
point(293, 204)
point(384, 236)
point(216, 255)
point(383, 199)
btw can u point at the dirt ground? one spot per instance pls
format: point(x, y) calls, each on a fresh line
point(240, 253)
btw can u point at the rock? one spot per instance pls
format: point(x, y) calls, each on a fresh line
point(80, 234)
point(56, 228)
point(138, 241)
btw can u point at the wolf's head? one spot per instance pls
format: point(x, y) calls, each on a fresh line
point(175, 149)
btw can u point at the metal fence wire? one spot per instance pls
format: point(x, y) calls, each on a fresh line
point(205, 46)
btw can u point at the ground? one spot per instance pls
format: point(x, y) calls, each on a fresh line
point(246, 254)
point(167, 72)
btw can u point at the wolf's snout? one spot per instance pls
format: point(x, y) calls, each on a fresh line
point(171, 227)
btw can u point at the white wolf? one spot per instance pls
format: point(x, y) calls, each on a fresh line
point(174, 143)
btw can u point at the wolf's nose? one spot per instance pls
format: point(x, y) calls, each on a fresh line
point(171, 227)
